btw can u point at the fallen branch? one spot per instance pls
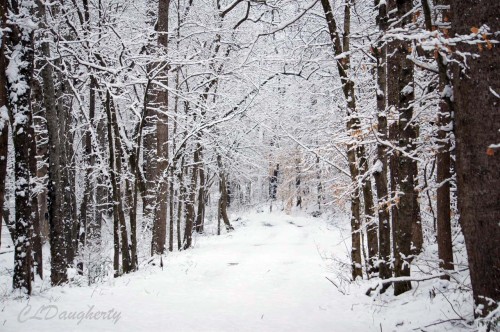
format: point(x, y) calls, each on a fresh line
point(383, 284)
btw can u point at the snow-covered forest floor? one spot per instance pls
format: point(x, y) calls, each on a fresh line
point(275, 272)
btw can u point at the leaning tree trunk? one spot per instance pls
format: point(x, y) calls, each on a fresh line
point(477, 123)
point(355, 153)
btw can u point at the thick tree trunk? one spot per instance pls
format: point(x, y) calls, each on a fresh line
point(477, 123)
point(20, 114)
point(380, 174)
point(407, 229)
point(161, 104)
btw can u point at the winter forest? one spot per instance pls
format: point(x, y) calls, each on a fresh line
point(250, 165)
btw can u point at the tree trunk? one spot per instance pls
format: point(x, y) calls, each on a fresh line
point(171, 211)
point(114, 170)
point(20, 114)
point(66, 140)
point(4, 117)
point(443, 157)
point(223, 196)
point(353, 127)
point(407, 229)
point(55, 186)
point(35, 213)
point(180, 203)
point(190, 204)
point(477, 122)
point(380, 174)
point(201, 193)
point(161, 103)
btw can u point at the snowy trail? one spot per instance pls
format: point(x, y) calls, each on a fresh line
point(266, 276)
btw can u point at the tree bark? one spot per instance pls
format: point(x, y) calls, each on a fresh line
point(4, 117)
point(407, 228)
point(223, 196)
point(443, 157)
point(55, 186)
point(119, 227)
point(201, 194)
point(190, 204)
point(380, 174)
point(161, 103)
point(477, 120)
point(20, 114)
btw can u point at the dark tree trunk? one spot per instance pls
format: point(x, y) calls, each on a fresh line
point(171, 211)
point(180, 203)
point(55, 186)
point(371, 224)
point(201, 194)
point(223, 196)
point(407, 229)
point(443, 157)
point(119, 226)
point(66, 140)
point(20, 114)
point(161, 103)
point(4, 123)
point(134, 165)
point(380, 174)
point(118, 199)
point(35, 213)
point(477, 122)
point(190, 204)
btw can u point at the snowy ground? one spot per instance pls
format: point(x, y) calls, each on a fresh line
point(267, 275)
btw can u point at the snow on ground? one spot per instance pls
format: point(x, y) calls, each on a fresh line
point(267, 275)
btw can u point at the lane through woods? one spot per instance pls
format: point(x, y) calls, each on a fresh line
point(268, 275)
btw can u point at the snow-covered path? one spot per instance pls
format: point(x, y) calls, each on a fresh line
point(268, 275)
